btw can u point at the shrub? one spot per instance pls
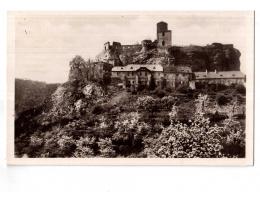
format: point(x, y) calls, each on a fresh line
point(67, 145)
point(167, 102)
point(85, 147)
point(36, 141)
point(222, 100)
point(241, 89)
point(98, 109)
point(159, 92)
point(147, 103)
point(234, 139)
point(106, 148)
point(186, 141)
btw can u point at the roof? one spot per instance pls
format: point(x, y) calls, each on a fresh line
point(177, 69)
point(219, 75)
point(134, 67)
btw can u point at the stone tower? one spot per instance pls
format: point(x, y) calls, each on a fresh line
point(164, 36)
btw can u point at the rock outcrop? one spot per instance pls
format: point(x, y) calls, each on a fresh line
point(212, 57)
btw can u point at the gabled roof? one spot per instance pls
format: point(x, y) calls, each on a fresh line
point(135, 67)
point(219, 75)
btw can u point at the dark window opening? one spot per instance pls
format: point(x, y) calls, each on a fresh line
point(162, 33)
point(163, 43)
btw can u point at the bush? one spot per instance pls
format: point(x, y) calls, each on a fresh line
point(222, 100)
point(85, 147)
point(241, 89)
point(186, 141)
point(159, 92)
point(106, 148)
point(167, 102)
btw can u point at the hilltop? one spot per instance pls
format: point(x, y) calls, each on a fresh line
point(216, 56)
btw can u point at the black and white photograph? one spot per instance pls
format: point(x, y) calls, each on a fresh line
point(131, 87)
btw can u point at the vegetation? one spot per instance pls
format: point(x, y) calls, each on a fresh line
point(83, 121)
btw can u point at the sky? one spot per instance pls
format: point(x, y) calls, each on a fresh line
point(46, 42)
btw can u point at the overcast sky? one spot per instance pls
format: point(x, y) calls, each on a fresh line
point(46, 42)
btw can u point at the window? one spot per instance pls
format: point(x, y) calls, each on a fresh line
point(163, 43)
point(131, 67)
point(117, 73)
point(163, 34)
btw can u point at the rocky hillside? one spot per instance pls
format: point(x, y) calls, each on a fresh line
point(215, 56)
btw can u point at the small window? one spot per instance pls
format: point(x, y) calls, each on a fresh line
point(233, 75)
point(163, 33)
point(121, 67)
point(131, 67)
point(163, 43)
point(221, 75)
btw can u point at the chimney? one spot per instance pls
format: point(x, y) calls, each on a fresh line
point(215, 71)
point(206, 72)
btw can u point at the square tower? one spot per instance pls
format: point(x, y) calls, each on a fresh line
point(164, 36)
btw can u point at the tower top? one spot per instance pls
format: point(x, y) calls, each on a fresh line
point(162, 27)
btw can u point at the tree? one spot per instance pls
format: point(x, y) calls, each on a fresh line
point(179, 140)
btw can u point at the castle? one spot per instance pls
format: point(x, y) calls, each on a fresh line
point(133, 75)
point(164, 36)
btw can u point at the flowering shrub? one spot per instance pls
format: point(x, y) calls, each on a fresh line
point(167, 102)
point(84, 147)
point(233, 139)
point(36, 141)
point(187, 141)
point(66, 145)
point(106, 148)
point(147, 103)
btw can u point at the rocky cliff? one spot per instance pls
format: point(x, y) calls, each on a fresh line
point(222, 57)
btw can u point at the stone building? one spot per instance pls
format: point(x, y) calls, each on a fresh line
point(133, 75)
point(177, 76)
point(164, 36)
point(219, 78)
point(111, 53)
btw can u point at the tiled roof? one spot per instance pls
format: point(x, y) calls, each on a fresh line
point(134, 67)
point(219, 75)
point(177, 69)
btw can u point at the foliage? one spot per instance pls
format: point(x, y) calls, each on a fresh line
point(167, 102)
point(241, 89)
point(198, 139)
point(106, 148)
point(85, 147)
point(222, 100)
point(147, 103)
